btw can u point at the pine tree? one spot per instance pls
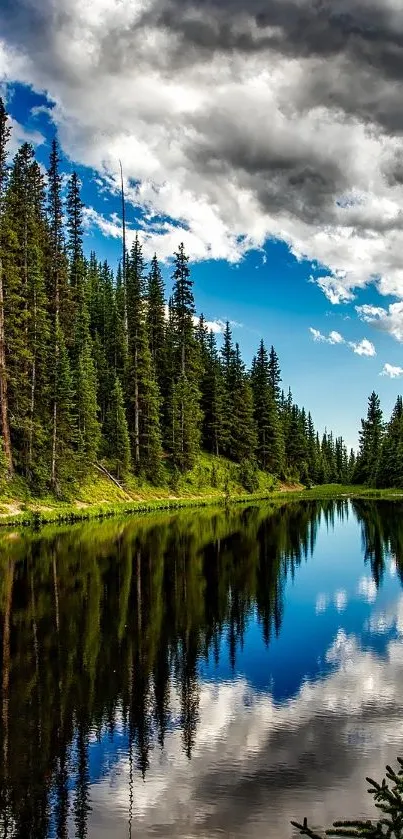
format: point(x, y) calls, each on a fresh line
point(312, 450)
point(351, 466)
point(390, 467)
point(66, 437)
point(228, 369)
point(82, 361)
point(5, 131)
point(388, 798)
point(74, 211)
point(275, 375)
point(243, 432)
point(86, 408)
point(186, 415)
point(156, 320)
point(58, 297)
point(116, 433)
point(371, 436)
point(244, 438)
point(142, 387)
point(270, 450)
point(213, 400)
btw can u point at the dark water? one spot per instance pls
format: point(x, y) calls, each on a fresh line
point(202, 674)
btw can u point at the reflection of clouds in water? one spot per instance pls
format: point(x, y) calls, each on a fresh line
point(393, 566)
point(340, 600)
point(384, 621)
point(256, 764)
point(322, 602)
point(367, 589)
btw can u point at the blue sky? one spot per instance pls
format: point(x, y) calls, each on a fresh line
point(289, 207)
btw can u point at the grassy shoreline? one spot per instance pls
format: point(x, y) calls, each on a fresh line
point(38, 512)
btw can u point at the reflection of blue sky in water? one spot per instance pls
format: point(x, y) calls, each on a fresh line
point(332, 590)
point(294, 729)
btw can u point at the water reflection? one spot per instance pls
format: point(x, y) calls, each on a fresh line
point(200, 674)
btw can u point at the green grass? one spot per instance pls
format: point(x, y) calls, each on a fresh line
point(341, 491)
point(213, 480)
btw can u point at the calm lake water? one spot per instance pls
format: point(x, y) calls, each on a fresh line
point(200, 674)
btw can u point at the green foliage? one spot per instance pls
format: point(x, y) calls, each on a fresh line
point(371, 437)
point(116, 432)
point(185, 415)
point(265, 385)
point(249, 475)
point(74, 333)
point(388, 798)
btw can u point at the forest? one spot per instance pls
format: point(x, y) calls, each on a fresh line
point(99, 367)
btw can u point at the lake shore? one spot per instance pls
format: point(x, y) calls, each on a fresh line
point(33, 512)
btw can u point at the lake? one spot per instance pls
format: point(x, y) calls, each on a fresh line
point(209, 673)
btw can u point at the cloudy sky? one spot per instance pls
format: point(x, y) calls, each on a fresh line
point(267, 135)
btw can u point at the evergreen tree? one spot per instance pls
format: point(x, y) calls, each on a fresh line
point(213, 400)
point(116, 432)
point(58, 297)
point(351, 466)
point(156, 321)
point(82, 361)
point(74, 207)
point(185, 400)
point(244, 440)
point(371, 436)
point(26, 241)
point(270, 448)
point(390, 467)
point(66, 437)
point(312, 454)
point(86, 408)
point(228, 369)
point(274, 375)
point(142, 387)
point(5, 131)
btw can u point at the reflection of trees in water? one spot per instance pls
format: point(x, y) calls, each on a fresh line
point(382, 535)
point(103, 622)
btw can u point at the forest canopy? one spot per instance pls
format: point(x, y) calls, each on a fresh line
point(97, 365)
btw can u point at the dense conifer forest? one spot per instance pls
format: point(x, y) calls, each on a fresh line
point(100, 367)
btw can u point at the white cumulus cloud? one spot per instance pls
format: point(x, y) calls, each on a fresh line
point(333, 337)
point(390, 320)
point(364, 347)
point(391, 371)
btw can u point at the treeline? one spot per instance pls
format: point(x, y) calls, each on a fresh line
point(101, 367)
point(380, 455)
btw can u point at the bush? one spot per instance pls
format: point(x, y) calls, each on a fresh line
point(214, 476)
point(248, 474)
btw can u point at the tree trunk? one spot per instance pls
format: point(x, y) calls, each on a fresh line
point(5, 425)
